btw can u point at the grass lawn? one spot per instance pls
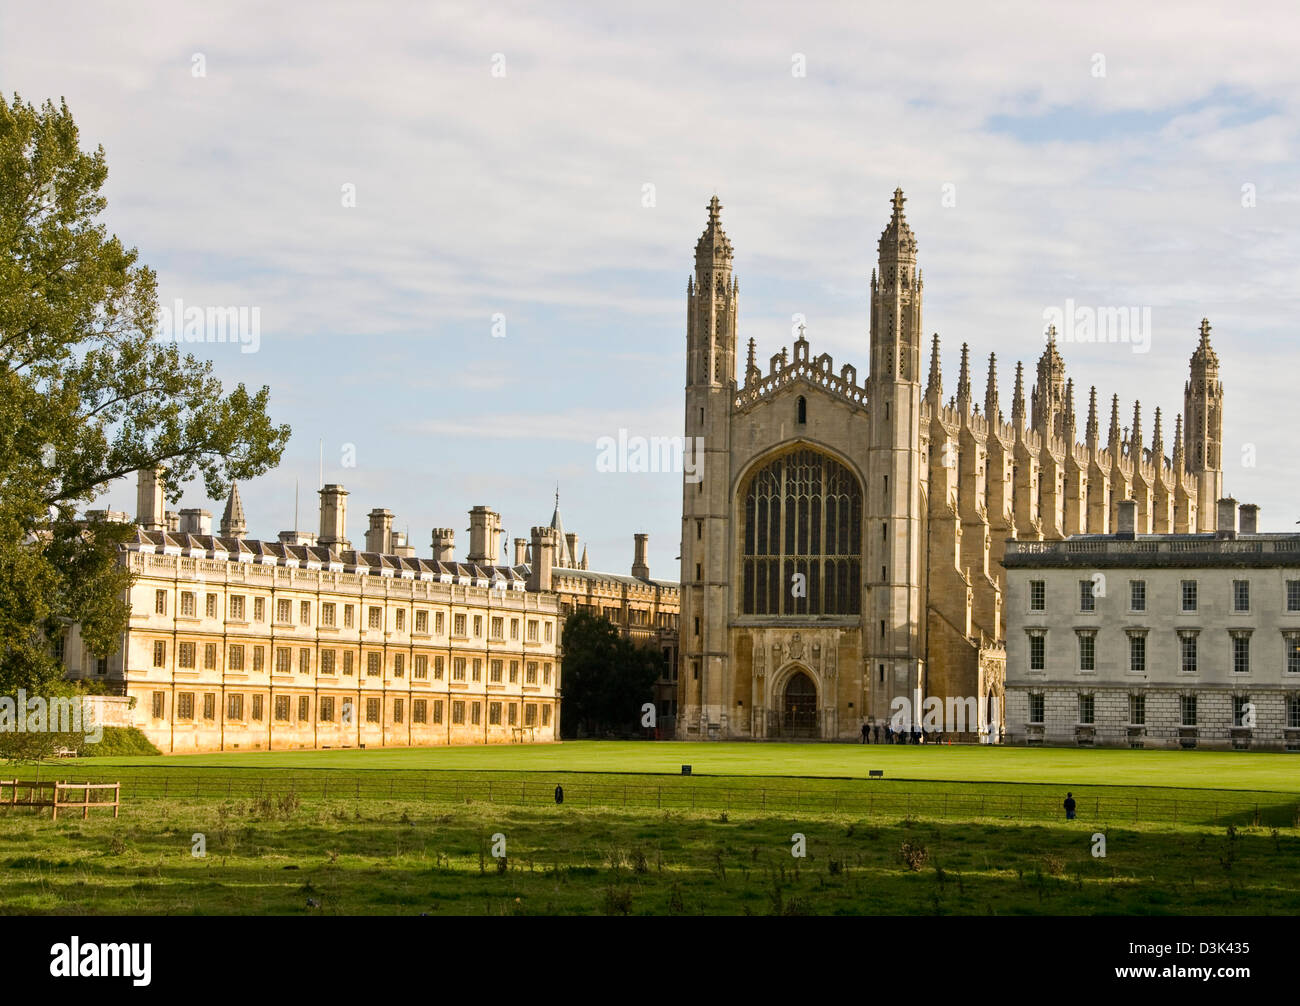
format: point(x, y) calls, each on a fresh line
point(1219, 770)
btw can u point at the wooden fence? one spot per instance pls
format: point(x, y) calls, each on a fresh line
point(55, 795)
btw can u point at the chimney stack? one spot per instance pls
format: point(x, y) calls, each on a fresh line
point(545, 542)
point(150, 511)
point(484, 536)
point(380, 536)
point(444, 544)
point(521, 551)
point(1249, 519)
point(1227, 522)
point(334, 517)
point(640, 565)
point(1127, 519)
point(401, 547)
point(195, 521)
point(572, 539)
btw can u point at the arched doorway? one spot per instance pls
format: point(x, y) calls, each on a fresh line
point(799, 707)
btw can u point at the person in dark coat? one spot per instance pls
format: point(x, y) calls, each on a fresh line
point(866, 732)
point(889, 733)
point(1069, 806)
point(559, 794)
point(877, 733)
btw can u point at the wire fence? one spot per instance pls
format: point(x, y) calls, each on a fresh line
point(868, 798)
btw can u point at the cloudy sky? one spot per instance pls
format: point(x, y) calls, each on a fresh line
point(548, 166)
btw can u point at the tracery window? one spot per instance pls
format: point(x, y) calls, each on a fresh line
point(802, 538)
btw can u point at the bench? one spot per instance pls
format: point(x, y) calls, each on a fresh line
point(876, 773)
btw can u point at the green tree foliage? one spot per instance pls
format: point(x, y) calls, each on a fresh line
point(87, 396)
point(606, 678)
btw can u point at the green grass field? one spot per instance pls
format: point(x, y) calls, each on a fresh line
point(948, 830)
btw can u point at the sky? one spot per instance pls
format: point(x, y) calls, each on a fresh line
point(467, 228)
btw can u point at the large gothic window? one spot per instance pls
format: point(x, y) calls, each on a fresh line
point(802, 546)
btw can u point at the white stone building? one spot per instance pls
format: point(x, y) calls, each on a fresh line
point(1156, 640)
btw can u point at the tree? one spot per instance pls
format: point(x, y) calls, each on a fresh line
point(88, 395)
point(606, 678)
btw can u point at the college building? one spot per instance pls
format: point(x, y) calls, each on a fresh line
point(1156, 640)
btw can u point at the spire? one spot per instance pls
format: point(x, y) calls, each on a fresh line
point(1018, 398)
point(991, 390)
point(1093, 430)
point(1205, 358)
point(1158, 442)
point(583, 563)
point(963, 381)
point(1135, 437)
point(233, 522)
point(1069, 424)
point(1178, 459)
point(751, 367)
point(1112, 439)
point(935, 387)
point(713, 250)
point(897, 242)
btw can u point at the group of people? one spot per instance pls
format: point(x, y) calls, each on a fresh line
point(904, 735)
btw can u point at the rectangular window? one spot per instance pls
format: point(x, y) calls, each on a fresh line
point(400, 616)
point(376, 618)
point(159, 705)
point(237, 608)
point(1086, 709)
point(283, 660)
point(283, 611)
point(327, 612)
point(258, 658)
point(1087, 651)
point(327, 662)
point(184, 656)
point(1291, 641)
point(498, 627)
point(187, 604)
point(478, 626)
point(1187, 643)
point(494, 714)
point(1037, 651)
point(259, 609)
point(1137, 595)
point(1240, 709)
point(478, 669)
point(1241, 652)
point(160, 602)
point(1137, 652)
point(514, 628)
point(546, 716)
point(1293, 712)
point(210, 606)
point(304, 661)
point(548, 631)
point(304, 708)
point(1087, 596)
point(1188, 705)
point(1189, 595)
point(1293, 595)
point(185, 706)
point(347, 662)
point(532, 630)
point(1137, 710)
point(1035, 707)
point(513, 713)
point(437, 711)
point(234, 707)
point(327, 709)
point(1037, 595)
point(496, 671)
point(421, 667)
point(235, 658)
point(457, 668)
point(458, 625)
point(420, 711)
point(438, 623)
point(437, 668)
point(530, 714)
point(546, 674)
point(282, 709)
point(475, 713)
point(422, 622)
point(257, 708)
point(530, 674)
point(458, 712)
point(399, 665)
point(372, 665)
point(348, 620)
point(1240, 595)
point(209, 705)
point(209, 656)
point(398, 710)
